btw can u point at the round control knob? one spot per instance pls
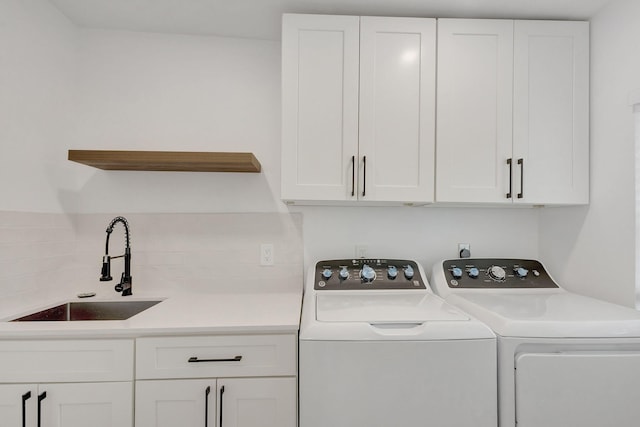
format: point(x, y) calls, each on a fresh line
point(408, 272)
point(344, 273)
point(473, 272)
point(497, 273)
point(521, 272)
point(327, 273)
point(456, 272)
point(392, 272)
point(367, 273)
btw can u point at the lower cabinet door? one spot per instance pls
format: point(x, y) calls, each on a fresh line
point(85, 404)
point(17, 407)
point(176, 403)
point(257, 402)
point(67, 405)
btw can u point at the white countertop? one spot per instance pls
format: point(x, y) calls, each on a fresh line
point(186, 313)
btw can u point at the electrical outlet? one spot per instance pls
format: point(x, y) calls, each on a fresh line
point(362, 251)
point(466, 247)
point(267, 254)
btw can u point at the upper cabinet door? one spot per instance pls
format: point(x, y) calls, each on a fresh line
point(397, 109)
point(474, 110)
point(320, 60)
point(551, 112)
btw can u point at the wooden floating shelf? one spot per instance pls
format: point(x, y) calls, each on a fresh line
point(175, 161)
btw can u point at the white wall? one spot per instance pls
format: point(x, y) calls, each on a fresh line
point(141, 91)
point(592, 250)
point(37, 85)
point(126, 90)
point(426, 234)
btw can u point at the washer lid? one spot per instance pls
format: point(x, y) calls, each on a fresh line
point(553, 314)
point(385, 308)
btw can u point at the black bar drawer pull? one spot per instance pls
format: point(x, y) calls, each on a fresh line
point(364, 176)
point(25, 397)
point(206, 406)
point(353, 176)
point(221, 404)
point(41, 397)
point(521, 193)
point(510, 163)
point(196, 360)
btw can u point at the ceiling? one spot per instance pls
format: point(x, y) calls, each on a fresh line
point(261, 18)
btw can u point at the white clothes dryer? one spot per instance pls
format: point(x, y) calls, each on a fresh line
point(378, 349)
point(564, 360)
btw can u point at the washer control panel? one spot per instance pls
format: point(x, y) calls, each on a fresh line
point(366, 274)
point(496, 273)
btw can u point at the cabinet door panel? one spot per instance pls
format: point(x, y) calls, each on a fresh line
point(258, 402)
point(175, 403)
point(83, 404)
point(397, 108)
point(11, 404)
point(474, 120)
point(320, 106)
point(551, 111)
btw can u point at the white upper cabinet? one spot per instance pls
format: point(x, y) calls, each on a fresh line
point(513, 112)
point(551, 112)
point(474, 139)
point(358, 109)
point(320, 61)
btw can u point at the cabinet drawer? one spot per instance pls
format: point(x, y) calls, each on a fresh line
point(66, 361)
point(215, 356)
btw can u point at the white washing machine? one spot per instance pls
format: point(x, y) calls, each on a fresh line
point(379, 349)
point(564, 360)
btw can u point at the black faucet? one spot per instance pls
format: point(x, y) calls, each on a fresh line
point(125, 281)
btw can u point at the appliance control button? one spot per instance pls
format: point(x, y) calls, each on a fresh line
point(344, 273)
point(536, 273)
point(408, 272)
point(392, 272)
point(322, 283)
point(367, 274)
point(473, 272)
point(497, 273)
point(456, 272)
point(521, 272)
point(327, 273)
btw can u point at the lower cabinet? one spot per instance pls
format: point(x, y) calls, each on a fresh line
point(216, 381)
point(180, 381)
point(228, 402)
point(67, 404)
point(66, 383)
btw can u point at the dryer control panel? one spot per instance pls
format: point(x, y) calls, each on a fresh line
point(367, 274)
point(496, 273)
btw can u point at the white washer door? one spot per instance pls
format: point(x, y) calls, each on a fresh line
point(585, 389)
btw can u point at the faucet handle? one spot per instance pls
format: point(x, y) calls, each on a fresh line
point(125, 285)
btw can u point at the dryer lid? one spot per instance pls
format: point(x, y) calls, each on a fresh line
point(551, 314)
point(385, 308)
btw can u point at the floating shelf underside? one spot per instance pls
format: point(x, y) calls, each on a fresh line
point(176, 161)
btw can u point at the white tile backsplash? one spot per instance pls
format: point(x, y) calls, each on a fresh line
point(173, 252)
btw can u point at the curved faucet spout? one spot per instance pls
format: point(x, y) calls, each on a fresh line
point(126, 280)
